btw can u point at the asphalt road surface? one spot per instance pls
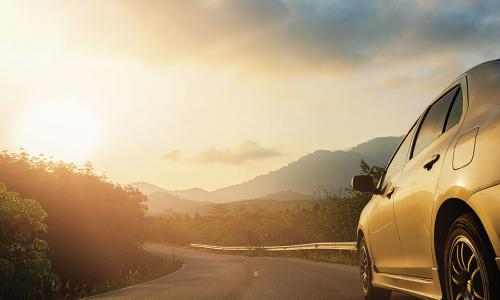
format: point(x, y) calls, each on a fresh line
point(217, 276)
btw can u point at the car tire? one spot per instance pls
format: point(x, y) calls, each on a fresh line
point(365, 266)
point(469, 263)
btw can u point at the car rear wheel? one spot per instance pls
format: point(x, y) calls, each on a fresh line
point(365, 269)
point(470, 269)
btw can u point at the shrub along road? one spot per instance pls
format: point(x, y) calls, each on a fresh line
point(216, 276)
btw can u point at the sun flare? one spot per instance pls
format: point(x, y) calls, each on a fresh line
point(63, 130)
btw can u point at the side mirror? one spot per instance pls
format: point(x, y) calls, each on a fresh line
point(364, 183)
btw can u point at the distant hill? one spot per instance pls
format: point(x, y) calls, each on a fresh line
point(319, 170)
point(194, 194)
point(288, 196)
point(147, 188)
point(164, 203)
point(379, 149)
point(322, 169)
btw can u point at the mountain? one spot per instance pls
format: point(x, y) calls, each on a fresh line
point(320, 170)
point(194, 194)
point(147, 188)
point(164, 202)
point(378, 149)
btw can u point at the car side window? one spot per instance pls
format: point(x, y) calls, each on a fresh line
point(455, 111)
point(434, 120)
point(399, 158)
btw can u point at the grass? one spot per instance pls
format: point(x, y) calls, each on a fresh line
point(146, 267)
point(329, 256)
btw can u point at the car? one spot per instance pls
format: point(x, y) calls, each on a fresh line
point(432, 227)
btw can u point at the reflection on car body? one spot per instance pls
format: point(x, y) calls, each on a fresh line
point(432, 227)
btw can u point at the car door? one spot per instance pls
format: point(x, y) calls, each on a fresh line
point(417, 184)
point(385, 247)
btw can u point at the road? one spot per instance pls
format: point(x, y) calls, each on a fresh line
point(217, 276)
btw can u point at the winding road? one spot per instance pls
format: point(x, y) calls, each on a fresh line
point(217, 276)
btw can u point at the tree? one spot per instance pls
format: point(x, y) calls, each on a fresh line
point(375, 172)
point(24, 266)
point(334, 217)
point(95, 227)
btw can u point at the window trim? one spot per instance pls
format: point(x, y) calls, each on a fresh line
point(424, 115)
point(382, 178)
point(451, 107)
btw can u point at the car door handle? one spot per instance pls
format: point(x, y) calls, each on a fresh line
point(429, 164)
point(391, 192)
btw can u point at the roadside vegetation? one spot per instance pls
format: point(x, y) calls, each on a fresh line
point(329, 256)
point(80, 235)
point(333, 218)
point(25, 270)
point(144, 267)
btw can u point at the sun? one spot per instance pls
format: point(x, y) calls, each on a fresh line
point(66, 131)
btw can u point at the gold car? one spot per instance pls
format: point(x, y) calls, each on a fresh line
point(432, 227)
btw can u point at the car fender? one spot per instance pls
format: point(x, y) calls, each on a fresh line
point(363, 224)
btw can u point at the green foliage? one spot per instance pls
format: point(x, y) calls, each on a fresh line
point(334, 218)
point(144, 266)
point(24, 266)
point(374, 171)
point(330, 219)
point(331, 256)
point(95, 227)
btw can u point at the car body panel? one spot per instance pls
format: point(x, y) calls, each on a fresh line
point(469, 172)
point(420, 287)
point(415, 202)
point(486, 205)
point(483, 171)
point(383, 231)
point(414, 205)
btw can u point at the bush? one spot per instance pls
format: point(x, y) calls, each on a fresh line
point(95, 227)
point(24, 266)
point(333, 218)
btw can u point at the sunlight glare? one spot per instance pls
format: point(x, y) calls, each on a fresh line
point(63, 130)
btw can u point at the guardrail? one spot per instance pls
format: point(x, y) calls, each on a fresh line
point(347, 246)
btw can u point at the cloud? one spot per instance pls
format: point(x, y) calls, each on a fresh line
point(277, 33)
point(174, 155)
point(358, 32)
point(270, 33)
point(244, 152)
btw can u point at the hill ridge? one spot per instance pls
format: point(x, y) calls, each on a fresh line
point(320, 169)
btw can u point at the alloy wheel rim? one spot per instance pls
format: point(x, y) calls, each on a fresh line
point(467, 277)
point(364, 269)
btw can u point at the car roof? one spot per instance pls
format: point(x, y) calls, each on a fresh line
point(481, 65)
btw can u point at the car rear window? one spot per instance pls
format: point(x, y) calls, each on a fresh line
point(433, 123)
point(455, 111)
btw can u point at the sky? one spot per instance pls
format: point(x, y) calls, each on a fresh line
point(209, 93)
